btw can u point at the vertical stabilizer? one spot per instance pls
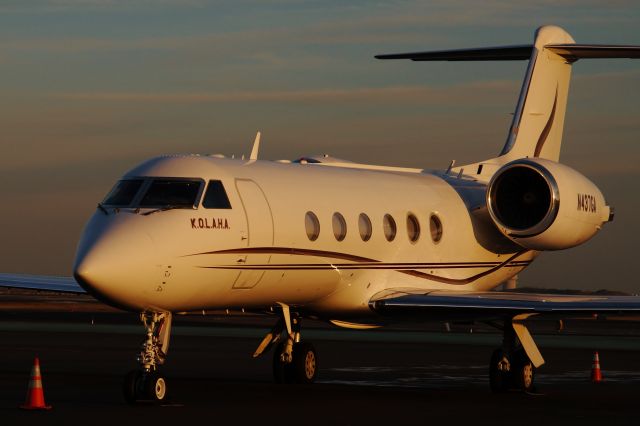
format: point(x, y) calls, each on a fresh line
point(536, 130)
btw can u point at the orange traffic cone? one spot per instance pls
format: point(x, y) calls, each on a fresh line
point(35, 394)
point(596, 374)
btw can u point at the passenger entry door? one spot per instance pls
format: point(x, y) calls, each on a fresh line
point(259, 232)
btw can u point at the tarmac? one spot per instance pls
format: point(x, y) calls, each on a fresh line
point(421, 375)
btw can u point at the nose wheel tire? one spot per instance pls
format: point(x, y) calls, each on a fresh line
point(303, 369)
point(155, 387)
point(141, 386)
point(132, 386)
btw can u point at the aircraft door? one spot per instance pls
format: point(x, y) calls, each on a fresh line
point(259, 231)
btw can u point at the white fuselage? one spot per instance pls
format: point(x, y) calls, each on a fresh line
point(258, 253)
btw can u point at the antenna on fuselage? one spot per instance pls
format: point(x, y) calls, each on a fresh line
point(453, 163)
point(256, 147)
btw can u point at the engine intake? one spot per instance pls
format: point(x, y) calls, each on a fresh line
point(524, 201)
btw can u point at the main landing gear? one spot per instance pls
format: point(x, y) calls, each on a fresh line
point(146, 383)
point(511, 366)
point(294, 360)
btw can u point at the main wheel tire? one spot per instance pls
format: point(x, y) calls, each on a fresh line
point(499, 380)
point(523, 373)
point(303, 368)
point(305, 363)
point(282, 371)
point(155, 387)
point(132, 385)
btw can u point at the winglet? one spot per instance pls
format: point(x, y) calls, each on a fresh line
point(256, 148)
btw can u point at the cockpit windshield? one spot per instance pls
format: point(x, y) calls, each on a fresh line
point(123, 193)
point(155, 193)
point(174, 193)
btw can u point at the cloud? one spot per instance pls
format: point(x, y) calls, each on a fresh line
point(230, 42)
point(463, 93)
point(434, 23)
point(58, 6)
point(420, 94)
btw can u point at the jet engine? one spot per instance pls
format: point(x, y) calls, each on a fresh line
point(543, 205)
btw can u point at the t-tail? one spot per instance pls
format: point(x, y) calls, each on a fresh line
point(532, 199)
point(538, 121)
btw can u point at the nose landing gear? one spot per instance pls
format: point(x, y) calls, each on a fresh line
point(146, 383)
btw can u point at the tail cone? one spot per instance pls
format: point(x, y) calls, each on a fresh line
point(35, 394)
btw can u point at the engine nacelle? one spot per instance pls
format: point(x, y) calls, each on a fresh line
point(543, 205)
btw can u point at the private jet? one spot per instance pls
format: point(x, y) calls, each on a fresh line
point(356, 245)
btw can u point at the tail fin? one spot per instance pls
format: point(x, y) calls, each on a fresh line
point(536, 130)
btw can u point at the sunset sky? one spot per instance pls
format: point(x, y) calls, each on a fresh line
point(90, 88)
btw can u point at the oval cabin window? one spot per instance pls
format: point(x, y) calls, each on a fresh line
point(364, 226)
point(312, 226)
point(413, 228)
point(435, 226)
point(339, 226)
point(390, 228)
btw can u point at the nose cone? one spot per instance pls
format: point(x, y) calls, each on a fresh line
point(116, 262)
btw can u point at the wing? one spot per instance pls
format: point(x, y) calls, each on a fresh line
point(498, 307)
point(488, 306)
point(41, 282)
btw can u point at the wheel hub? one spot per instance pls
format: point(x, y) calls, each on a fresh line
point(160, 388)
point(310, 364)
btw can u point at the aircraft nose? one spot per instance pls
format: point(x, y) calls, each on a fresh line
point(116, 265)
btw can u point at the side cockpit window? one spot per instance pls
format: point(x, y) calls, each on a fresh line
point(171, 193)
point(123, 193)
point(216, 196)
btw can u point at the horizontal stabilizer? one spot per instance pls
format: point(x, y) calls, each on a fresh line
point(500, 53)
point(538, 121)
point(571, 52)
